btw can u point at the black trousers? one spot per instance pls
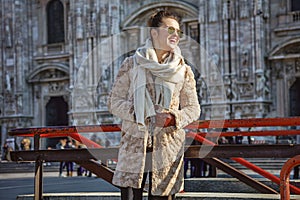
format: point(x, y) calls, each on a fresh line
point(129, 193)
point(137, 194)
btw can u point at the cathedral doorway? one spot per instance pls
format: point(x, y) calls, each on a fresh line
point(56, 115)
point(295, 98)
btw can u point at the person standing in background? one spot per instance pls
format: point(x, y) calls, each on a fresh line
point(61, 145)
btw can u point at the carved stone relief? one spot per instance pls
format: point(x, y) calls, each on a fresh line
point(213, 11)
point(289, 49)
point(103, 20)
point(278, 70)
point(8, 33)
point(56, 87)
point(133, 37)
point(10, 105)
point(245, 90)
point(228, 10)
point(244, 8)
point(202, 11)
point(232, 9)
point(37, 91)
point(266, 8)
point(114, 19)
point(91, 25)
point(230, 87)
point(297, 65)
point(238, 112)
point(50, 74)
point(201, 89)
point(258, 7)
point(79, 28)
point(19, 100)
point(17, 122)
point(82, 119)
point(245, 65)
point(262, 89)
point(290, 68)
point(8, 82)
point(82, 100)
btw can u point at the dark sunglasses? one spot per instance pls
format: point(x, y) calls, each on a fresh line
point(171, 30)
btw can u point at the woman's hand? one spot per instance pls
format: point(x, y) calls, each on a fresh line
point(164, 120)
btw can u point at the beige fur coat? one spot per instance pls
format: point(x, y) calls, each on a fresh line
point(168, 143)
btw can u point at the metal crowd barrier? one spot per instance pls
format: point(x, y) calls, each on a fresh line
point(89, 158)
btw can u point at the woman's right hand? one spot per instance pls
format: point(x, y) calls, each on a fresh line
point(164, 120)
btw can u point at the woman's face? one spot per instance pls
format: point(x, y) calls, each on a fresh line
point(162, 38)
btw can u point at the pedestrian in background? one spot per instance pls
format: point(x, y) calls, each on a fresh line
point(61, 145)
point(69, 164)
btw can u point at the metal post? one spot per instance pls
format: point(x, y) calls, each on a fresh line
point(38, 176)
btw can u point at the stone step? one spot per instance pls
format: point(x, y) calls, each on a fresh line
point(231, 185)
point(181, 196)
point(267, 164)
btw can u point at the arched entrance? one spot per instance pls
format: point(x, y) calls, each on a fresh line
point(56, 115)
point(295, 98)
point(285, 64)
point(50, 82)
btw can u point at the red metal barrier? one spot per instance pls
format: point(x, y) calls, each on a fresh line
point(250, 133)
point(285, 177)
point(75, 133)
point(254, 122)
point(249, 165)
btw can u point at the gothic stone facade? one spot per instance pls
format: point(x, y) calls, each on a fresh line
point(59, 57)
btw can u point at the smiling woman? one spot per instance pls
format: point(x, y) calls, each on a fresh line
point(146, 95)
point(171, 30)
point(162, 29)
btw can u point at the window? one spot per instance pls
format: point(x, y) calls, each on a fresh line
point(55, 22)
point(295, 5)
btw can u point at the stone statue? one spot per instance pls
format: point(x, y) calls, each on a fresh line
point(103, 22)
point(79, 30)
point(202, 11)
point(261, 88)
point(8, 83)
point(8, 33)
point(244, 9)
point(213, 11)
point(245, 64)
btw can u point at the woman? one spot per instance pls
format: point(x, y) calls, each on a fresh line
point(155, 96)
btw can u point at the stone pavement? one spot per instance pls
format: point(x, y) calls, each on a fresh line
point(196, 189)
point(222, 187)
point(181, 196)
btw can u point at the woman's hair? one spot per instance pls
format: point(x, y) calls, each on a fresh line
point(156, 19)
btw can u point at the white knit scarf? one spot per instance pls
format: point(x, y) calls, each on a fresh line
point(166, 76)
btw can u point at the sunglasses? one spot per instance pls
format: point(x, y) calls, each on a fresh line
point(171, 30)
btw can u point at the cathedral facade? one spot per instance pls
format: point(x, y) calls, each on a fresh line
point(59, 58)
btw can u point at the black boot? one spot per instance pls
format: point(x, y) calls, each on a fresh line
point(131, 193)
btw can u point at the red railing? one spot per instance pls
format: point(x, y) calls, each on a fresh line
point(249, 165)
point(193, 132)
point(285, 177)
